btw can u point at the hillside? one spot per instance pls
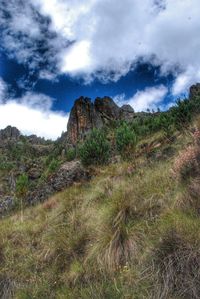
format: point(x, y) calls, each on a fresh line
point(122, 223)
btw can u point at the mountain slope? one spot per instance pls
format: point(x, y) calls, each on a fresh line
point(133, 231)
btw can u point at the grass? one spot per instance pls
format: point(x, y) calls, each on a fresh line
point(128, 233)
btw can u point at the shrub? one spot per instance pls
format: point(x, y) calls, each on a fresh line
point(71, 154)
point(96, 149)
point(22, 185)
point(125, 141)
point(54, 164)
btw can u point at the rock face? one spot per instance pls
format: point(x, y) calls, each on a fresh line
point(9, 133)
point(107, 109)
point(127, 112)
point(83, 118)
point(86, 115)
point(68, 173)
point(194, 91)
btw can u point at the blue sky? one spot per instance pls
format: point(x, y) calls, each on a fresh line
point(144, 53)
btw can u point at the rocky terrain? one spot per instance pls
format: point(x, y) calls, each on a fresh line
point(86, 115)
point(46, 163)
point(109, 210)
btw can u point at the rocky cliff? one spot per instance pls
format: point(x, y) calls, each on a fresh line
point(86, 115)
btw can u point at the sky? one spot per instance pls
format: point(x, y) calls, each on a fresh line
point(143, 53)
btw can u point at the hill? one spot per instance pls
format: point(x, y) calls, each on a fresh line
point(127, 228)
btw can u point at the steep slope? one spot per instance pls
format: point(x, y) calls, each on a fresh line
point(131, 231)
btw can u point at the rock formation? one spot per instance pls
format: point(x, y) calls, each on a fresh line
point(107, 109)
point(67, 175)
point(9, 133)
point(83, 118)
point(86, 115)
point(126, 112)
point(194, 91)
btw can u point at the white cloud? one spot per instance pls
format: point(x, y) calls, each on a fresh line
point(31, 114)
point(149, 98)
point(32, 121)
point(185, 80)
point(76, 58)
point(120, 32)
point(105, 38)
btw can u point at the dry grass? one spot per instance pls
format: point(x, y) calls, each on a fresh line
point(177, 268)
point(96, 240)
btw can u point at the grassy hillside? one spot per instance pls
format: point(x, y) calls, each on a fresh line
point(133, 231)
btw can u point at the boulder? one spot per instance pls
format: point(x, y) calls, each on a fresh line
point(67, 175)
point(127, 113)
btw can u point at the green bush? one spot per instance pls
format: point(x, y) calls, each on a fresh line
point(70, 154)
point(22, 185)
point(96, 149)
point(126, 140)
point(53, 166)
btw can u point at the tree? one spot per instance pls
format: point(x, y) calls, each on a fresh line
point(96, 149)
point(21, 190)
point(126, 140)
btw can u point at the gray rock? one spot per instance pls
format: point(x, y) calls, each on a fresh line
point(194, 91)
point(68, 173)
point(6, 204)
point(9, 133)
point(127, 113)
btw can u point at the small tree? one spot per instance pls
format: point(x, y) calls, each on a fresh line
point(96, 149)
point(126, 140)
point(21, 190)
point(71, 154)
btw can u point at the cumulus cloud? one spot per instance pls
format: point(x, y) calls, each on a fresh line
point(111, 36)
point(149, 98)
point(31, 114)
point(26, 36)
point(104, 39)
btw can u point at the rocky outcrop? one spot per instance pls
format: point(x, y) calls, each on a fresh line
point(83, 118)
point(67, 175)
point(127, 113)
point(107, 109)
point(194, 91)
point(9, 133)
point(86, 115)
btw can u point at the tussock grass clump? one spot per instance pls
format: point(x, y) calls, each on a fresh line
point(175, 270)
point(193, 195)
point(118, 226)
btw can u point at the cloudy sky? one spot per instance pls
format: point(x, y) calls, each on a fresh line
point(145, 53)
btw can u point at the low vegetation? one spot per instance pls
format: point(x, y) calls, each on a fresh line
point(133, 231)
